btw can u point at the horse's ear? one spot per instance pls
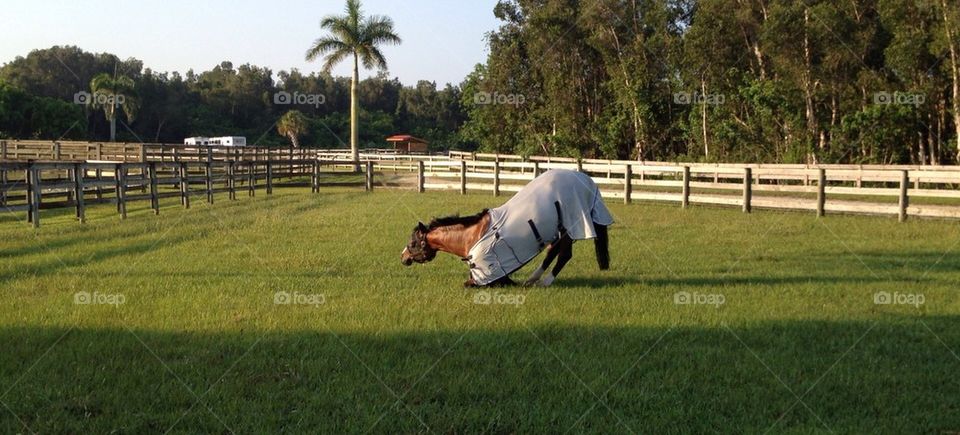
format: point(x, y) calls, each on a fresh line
point(421, 227)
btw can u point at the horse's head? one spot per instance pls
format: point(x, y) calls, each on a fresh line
point(418, 249)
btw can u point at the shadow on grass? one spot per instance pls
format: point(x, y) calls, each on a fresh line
point(56, 263)
point(894, 376)
point(711, 281)
point(924, 261)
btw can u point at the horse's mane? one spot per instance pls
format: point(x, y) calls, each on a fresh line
point(457, 220)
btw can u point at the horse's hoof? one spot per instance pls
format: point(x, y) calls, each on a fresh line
point(470, 283)
point(546, 281)
point(531, 282)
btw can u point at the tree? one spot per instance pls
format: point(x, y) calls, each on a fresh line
point(110, 92)
point(28, 116)
point(951, 40)
point(360, 37)
point(293, 125)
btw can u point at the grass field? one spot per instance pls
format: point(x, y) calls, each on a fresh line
point(182, 332)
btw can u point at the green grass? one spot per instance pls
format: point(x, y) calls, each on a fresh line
point(200, 346)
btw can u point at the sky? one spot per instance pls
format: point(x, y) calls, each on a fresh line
point(442, 40)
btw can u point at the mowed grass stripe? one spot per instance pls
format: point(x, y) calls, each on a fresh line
point(199, 288)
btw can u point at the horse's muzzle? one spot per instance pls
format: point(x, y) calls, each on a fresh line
point(405, 258)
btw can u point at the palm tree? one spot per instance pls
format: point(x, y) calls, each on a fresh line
point(110, 92)
point(360, 37)
point(292, 125)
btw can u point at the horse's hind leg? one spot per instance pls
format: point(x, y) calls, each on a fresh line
point(552, 252)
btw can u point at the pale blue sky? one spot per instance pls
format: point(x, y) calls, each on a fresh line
point(442, 40)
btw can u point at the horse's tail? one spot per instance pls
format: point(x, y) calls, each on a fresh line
point(602, 244)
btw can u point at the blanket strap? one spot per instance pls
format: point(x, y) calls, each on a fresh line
point(560, 226)
point(533, 227)
point(469, 263)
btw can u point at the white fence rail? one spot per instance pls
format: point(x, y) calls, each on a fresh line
point(820, 189)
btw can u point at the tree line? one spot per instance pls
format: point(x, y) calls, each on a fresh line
point(38, 100)
point(722, 80)
point(853, 81)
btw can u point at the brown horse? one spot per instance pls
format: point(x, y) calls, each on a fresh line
point(496, 243)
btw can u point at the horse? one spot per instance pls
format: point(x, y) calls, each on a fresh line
point(551, 212)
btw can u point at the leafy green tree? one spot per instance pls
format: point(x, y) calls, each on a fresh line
point(27, 116)
point(354, 35)
point(113, 92)
point(293, 125)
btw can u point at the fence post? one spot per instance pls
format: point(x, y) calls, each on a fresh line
point(496, 177)
point(685, 202)
point(316, 176)
point(291, 168)
point(3, 150)
point(904, 199)
point(420, 176)
point(536, 169)
point(269, 177)
point(3, 186)
point(79, 170)
point(56, 150)
point(747, 189)
point(99, 191)
point(463, 177)
point(369, 176)
point(252, 178)
point(627, 184)
point(143, 153)
point(184, 185)
point(36, 195)
point(120, 173)
point(208, 171)
point(28, 178)
point(232, 179)
point(154, 191)
point(579, 164)
point(821, 192)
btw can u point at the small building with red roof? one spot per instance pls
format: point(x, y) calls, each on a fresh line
point(407, 144)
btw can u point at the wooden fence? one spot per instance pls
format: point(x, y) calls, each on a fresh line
point(19, 150)
point(78, 172)
point(820, 189)
point(34, 186)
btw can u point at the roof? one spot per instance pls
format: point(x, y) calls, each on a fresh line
point(405, 138)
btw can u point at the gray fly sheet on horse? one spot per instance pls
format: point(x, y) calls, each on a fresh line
point(558, 200)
